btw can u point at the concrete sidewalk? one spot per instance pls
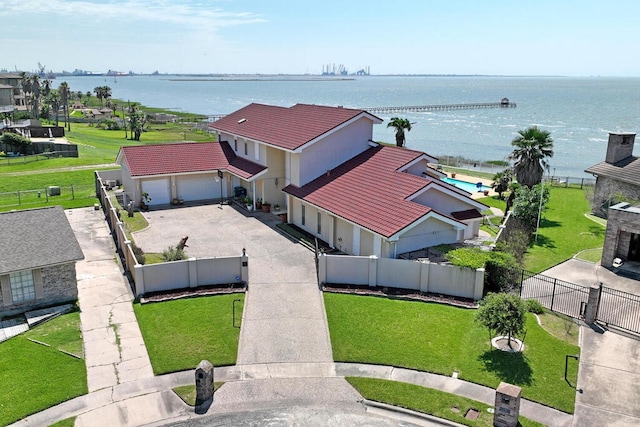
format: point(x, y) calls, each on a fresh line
point(113, 346)
point(275, 385)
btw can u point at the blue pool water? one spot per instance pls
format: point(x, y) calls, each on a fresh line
point(471, 187)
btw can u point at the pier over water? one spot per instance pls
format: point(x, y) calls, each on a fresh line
point(504, 103)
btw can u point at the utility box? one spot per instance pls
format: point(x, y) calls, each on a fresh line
point(507, 405)
point(53, 190)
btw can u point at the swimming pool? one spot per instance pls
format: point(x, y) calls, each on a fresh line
point(466, 186)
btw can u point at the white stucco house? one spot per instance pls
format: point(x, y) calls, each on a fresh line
point(320, 165)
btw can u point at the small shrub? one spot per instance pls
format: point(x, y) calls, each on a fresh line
point(501, 274)
point(138, 253)
point(534, 306)
point(173, 254)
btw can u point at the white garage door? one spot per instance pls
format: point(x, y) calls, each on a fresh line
point(201, 188)
point(158, 190)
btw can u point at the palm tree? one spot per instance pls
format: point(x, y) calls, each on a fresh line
point(25, 82)
point(400, 125)
point(88, 95)
point(35, 89)
point(65, 94)
point(54, 102)
point(532, 148)
point(99, 91)
point(501, 181)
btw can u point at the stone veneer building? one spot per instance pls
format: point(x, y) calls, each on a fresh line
point(37, 260)
point(619, 176)
point(623, 235)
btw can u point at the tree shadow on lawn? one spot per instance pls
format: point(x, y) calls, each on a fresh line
point(543, 241)
point(597, 231)
point(512, 368)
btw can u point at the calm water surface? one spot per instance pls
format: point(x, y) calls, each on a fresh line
point(579, 112)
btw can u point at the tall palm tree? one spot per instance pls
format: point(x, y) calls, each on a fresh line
point(65, 94)
point(99, 91)
point(533, 147)
point(35, 89)
point(54, 102)
point(25, 82)
point(400, 126)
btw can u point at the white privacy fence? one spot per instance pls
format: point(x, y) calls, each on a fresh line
point(191, 273)
point(422, 276)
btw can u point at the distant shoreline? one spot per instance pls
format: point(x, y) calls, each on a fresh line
point(261, 79)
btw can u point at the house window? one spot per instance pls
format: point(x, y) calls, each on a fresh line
point(256, 149)
point(246, 149)
point(319, 223)
point(23, 287)
point(303, 215)
point(235, 145)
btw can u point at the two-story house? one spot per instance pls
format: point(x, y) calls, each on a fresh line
point(321, 166)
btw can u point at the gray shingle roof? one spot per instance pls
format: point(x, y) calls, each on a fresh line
point(625, 170)
point(36, 238)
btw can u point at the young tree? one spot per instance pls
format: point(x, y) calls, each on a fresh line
point(527, 205)
point(502, 313)
point(137, 122)
point(400, 126)
point(532, 148)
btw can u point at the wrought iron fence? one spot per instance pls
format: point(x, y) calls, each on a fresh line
point(619, 309)
point(554, 294)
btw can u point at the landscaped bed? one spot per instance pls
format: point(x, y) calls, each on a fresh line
point(442, 339)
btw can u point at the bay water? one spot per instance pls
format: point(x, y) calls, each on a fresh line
point(577, 111)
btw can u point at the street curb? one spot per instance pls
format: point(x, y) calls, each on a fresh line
point(407, 412)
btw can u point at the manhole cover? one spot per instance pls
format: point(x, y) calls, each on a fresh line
point(472, 414)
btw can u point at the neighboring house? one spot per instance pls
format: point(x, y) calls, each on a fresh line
point(322, 167)
point(95, 113)
point(622, 239)
point(15, 81)
point(7, 104)
point(618, 176)
point(183, 171)
point(37, 260)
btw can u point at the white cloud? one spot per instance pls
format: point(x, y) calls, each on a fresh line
point(192, 15)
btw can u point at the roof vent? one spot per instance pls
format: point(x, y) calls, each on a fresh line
point(242, 121)
point(328, 172)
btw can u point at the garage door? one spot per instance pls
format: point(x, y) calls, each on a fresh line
point(201, 188)
point(158, 190)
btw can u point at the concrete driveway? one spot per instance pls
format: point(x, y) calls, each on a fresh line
point(587, 274)
point(284, 318)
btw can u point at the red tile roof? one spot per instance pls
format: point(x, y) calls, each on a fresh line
point(164, 159)
point(368, 190)
point(283, 127)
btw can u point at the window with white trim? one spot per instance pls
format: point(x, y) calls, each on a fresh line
point(303, 215)
point(235, 145)
point(319, 223)
point(23, 287)
point(246, 149)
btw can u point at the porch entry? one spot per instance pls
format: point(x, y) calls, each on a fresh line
point(634, 248)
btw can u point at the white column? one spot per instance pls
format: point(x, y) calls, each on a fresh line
point(356, 240)
point(377, 245)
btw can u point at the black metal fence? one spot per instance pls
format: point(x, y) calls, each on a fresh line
point(554, 294)
point(616, 308)
point(619, 309)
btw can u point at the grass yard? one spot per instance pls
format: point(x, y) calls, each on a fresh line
point(57, 376)
point(428, 401)
point(564, 230)
point(442, 339)
point(180, 333)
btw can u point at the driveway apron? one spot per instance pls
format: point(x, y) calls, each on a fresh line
point(284, 318)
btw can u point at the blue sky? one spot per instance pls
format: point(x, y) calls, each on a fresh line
point(510, 37)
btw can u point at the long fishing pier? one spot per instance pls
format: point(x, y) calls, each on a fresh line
point(505, 103)
point(442, 107)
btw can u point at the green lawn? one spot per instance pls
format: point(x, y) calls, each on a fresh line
point(428, 401)
point(442, 339)
point(56, 376)
point(564, 230)
point(181, 333)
